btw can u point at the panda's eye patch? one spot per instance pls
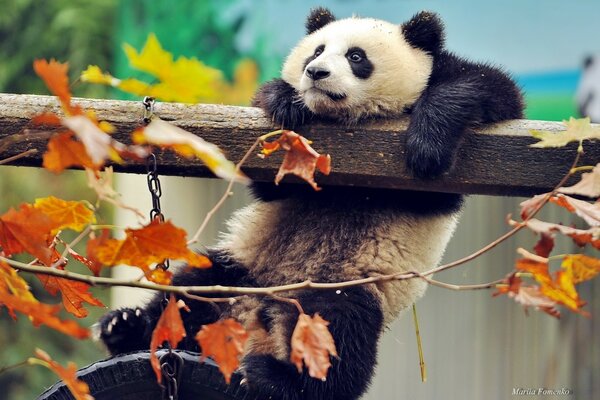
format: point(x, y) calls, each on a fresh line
point(356, 55)
point(319, 50)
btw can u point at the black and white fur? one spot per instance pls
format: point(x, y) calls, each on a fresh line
point(343, 70)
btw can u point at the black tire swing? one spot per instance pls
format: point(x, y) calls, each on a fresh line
point(131, 377)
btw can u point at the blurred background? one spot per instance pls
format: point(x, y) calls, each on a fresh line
point(475, 346)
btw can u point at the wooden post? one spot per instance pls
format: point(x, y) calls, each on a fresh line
point(494, 160)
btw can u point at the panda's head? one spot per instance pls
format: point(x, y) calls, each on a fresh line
point(354, 68)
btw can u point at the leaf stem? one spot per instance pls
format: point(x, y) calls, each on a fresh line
point(17, 156)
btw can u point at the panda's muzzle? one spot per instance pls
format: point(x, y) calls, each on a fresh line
point(316, 73)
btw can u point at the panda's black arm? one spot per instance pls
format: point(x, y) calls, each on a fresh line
point(127, 329)
point(280, 101)
point(460, 95)
point(355, 322)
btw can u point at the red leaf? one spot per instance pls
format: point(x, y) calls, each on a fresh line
point(224, 342)
point(79, 389)
point(312, 344)
point(73, 293)
point(168, 328)
point(26, 230)
point(300, 159)
point(544, 246)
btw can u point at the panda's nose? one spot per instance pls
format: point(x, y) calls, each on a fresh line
point(316, 73)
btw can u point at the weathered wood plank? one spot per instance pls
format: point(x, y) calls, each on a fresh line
point(493, 160)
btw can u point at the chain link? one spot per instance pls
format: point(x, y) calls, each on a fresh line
point(170, 363)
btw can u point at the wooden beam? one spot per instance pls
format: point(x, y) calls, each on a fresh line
point(492, 160)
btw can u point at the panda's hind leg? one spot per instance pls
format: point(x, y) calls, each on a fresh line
point(355, 322)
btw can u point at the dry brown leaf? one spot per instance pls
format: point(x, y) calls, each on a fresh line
point(169, 328)
point(312, 344)
point(223, 341)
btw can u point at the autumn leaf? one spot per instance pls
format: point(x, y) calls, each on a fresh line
point(312, 344)
point(581, 267)
point(143, 247)
point(11, 282)
point(588, 211)
point(185, 80)
point(97, 144)
point(300, 159)
point(73, 293)
point(102, 184)
point(65, 214)
point(159, 275)
point(168, 328)
point(26, 230)
point(527, 296)
point(79, 389)
point(40, 313)
point(588, 186)
point(581, 237)
point(561, 289)
point(223, 341)
point(56, 79)
point(93, 265)
point(64, 152)
point(577, 130)
point(530, 205)
point(186, 144)
point(545, 245)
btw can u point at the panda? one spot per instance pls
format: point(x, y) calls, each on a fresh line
point(346, 71)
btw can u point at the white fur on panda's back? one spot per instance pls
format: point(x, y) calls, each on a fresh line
point(390, 242)
point(400, 73)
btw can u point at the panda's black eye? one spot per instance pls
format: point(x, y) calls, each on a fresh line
point(319, 50)
point(356, 55)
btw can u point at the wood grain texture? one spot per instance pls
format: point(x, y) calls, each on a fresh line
point(494, 160)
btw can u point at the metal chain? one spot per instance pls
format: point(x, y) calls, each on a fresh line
point(170, 363)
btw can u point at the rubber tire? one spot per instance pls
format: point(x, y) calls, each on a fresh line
point(130, 377)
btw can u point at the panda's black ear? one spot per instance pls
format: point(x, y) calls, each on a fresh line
point(318, 18)
point(424, 31)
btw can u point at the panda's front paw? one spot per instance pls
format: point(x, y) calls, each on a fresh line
point(124, 330)
point(427, 159)
point(280, 101)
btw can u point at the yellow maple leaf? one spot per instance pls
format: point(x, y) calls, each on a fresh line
point(581, 267)
point(74, 215)
point(186, 80)
point(577, 131)
point(12, 282)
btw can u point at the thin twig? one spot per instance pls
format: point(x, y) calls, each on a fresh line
point(26, 136)
point(227, 193)
point(13, 366)
point(17, 156)
point(265, 291)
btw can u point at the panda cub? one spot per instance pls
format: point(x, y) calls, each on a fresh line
point(346, 70)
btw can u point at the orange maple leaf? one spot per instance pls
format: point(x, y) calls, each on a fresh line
point(224, 342)
point(64, 152)
point(26, 230)
point(11, 282)
point(79, 389)
point(168, 328)
point(312, 344)
point(56, 79)
point(40, 313)
point(74, 215)
point(73, 293)
point(300, 159)
point(142, 247)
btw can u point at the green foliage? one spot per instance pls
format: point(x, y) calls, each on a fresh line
point(77, 31)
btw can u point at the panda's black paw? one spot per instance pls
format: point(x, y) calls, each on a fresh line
point(427, 159)
point(267, 377)
point(279, 100)
point(123, 330)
